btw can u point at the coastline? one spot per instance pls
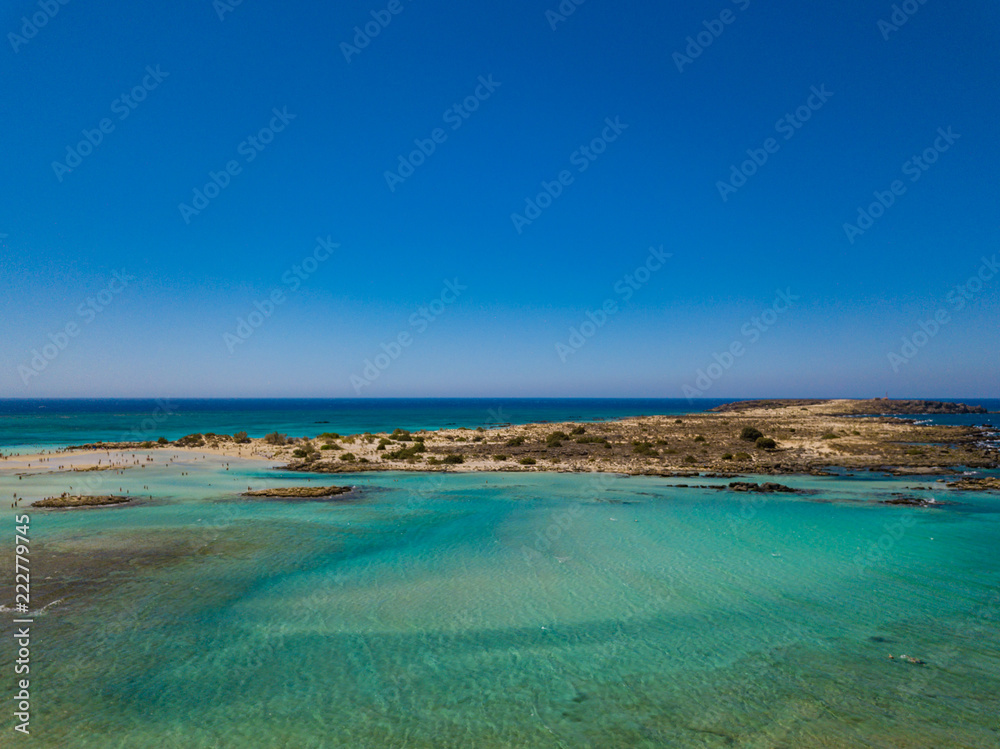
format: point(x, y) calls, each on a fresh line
point(810, 438)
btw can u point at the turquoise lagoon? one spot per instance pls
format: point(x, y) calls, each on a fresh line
point(507, 610)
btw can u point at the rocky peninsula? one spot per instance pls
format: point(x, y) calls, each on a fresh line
point(760, 437)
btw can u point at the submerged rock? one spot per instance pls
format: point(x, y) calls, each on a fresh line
point(912, 502)
point(768, 487)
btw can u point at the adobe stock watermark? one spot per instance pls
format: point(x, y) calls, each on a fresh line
point(291, 280)
point(751, 332)
point(146, 429)
point(47, 10)
point(875, 553)
point(454, 116)
point(787, 127)
point(419, 321)
point(222, 7)
point(363, 35)
point(714, 28)
point(581, 158)
point(123, 106)
point(958, 298)
point(562, 12)
point(914, 168)
point(561, 521)
point(88, 310)
point(901, 13)
point(250, 148)
point(624, 288)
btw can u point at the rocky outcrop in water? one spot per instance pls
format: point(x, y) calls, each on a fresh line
point(301, 492)
point(988, 484)
point(768, 487)
point(67, 500)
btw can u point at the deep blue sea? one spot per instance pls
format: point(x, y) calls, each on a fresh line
point(61, 422)
point(58, 422)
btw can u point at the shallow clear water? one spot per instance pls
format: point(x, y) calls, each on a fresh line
point(510, 610)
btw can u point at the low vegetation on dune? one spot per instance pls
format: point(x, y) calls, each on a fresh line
point(797, 438)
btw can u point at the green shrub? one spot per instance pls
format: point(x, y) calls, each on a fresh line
point(766, 443)
point(727, 456)
point(500, 457)
point(514, 442)
point(678, 421)
point(751, 434)
point(328, 436)
point(307, 451)
point(401, 435)
point(830, 436)
point(453, 459)
point(579, 430)
point(699, 438)
point(191, 440)
point(589, 440)
point(276, 439)
point(527, 461)
point(330, 446)
point(162, 441)
point(407, 453)
point(241, 438)
point(555, 439)
point(348, 457)
point(643, 448)
point(742, 456)
point(690, 459)
point(146, 445)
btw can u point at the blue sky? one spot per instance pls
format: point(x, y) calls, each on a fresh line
point(173, 326)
